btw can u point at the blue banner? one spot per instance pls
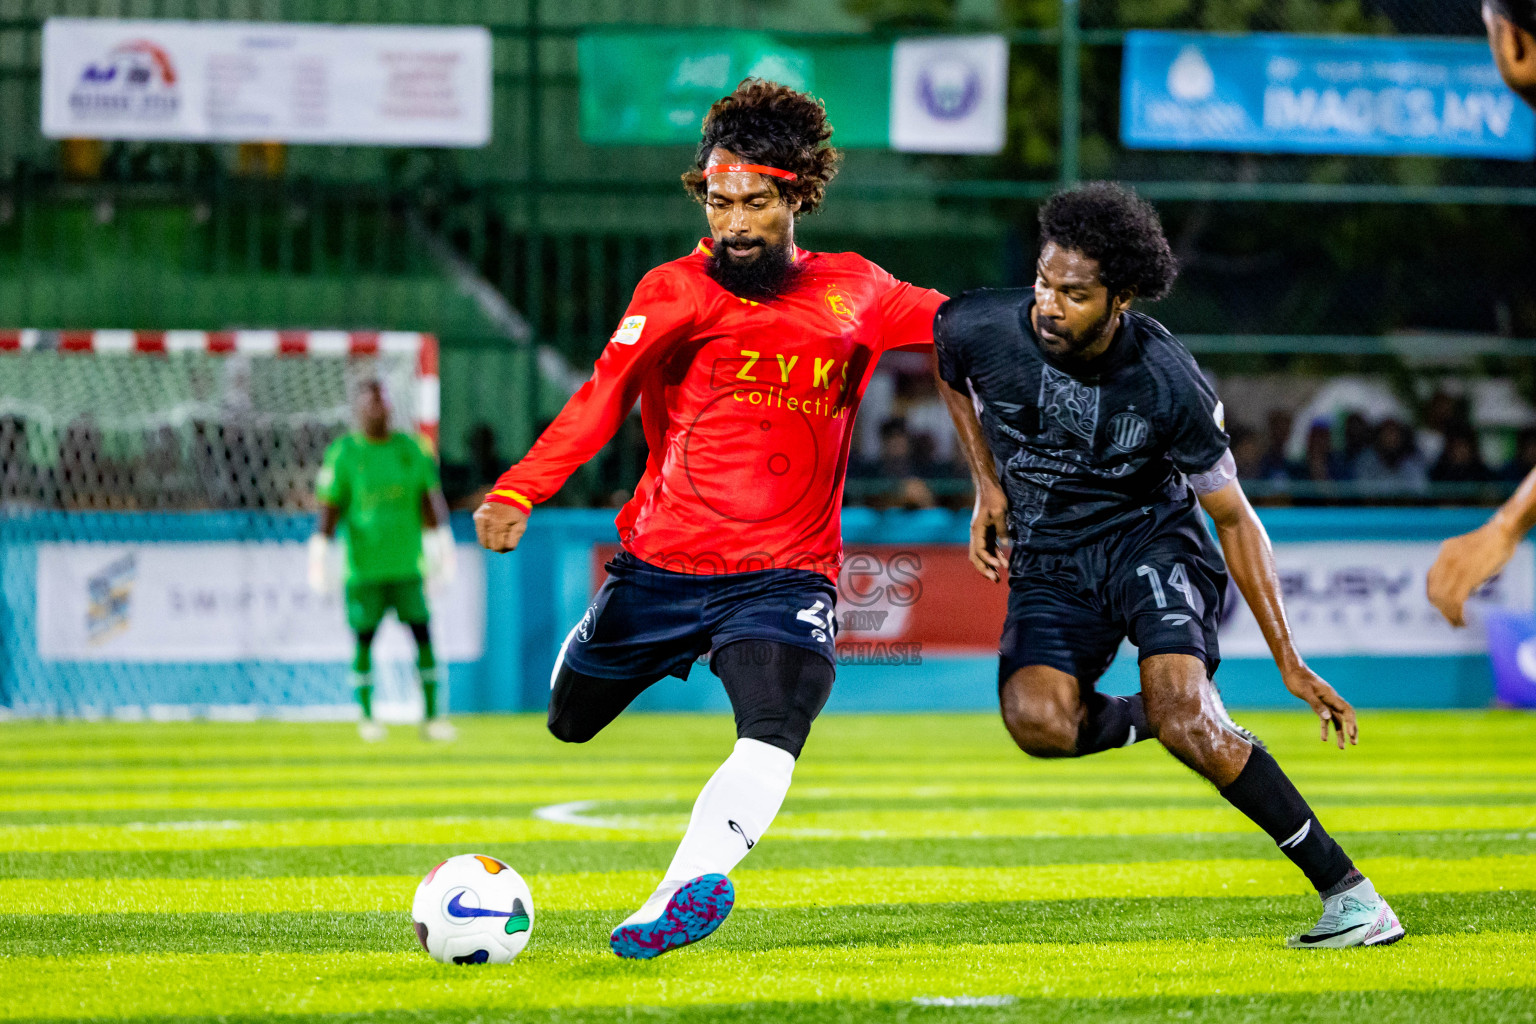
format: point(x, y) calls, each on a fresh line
point(1297, 94)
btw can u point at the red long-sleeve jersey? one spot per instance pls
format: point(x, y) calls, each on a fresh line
point(747, 409)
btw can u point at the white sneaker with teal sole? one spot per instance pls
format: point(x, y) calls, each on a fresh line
point(675, 915)
point(1357, 916)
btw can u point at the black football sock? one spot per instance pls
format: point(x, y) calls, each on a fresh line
point(1112, 722)
point(1262, 792)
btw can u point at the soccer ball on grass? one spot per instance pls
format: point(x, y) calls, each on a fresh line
point(473, 909)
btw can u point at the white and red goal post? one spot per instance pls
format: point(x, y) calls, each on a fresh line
point(422, 348)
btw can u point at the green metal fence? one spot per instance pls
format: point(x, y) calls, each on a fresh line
point(177, 235)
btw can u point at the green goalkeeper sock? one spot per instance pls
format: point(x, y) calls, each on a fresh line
point(362, 686)
point(429, 691)
point(426, 670)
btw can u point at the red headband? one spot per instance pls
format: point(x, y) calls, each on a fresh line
point(754, 168)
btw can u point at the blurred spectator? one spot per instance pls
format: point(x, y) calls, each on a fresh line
point(1273, 465)
point(485, 460)
point(926, 416)
point(1392, 463)
point(1323, 464)
point(88, 480)
point(1524, 461)
point(1442, 413)
point(1461, 458)
point(465, 485)
point(1247, 452)
point(899, 464)
point(894, 459)
point(18, 477)
point(1358, 438)
point(161, 478)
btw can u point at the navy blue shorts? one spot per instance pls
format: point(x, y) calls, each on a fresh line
point(1161, 583)
point(647, 622)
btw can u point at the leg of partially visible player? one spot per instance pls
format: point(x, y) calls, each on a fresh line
point(435, 724)
point(1184, 709)
point(776, 692)
point(362, 684)
point(1048, 715)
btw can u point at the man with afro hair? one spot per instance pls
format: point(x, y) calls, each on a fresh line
point(1094, 442)
point(749, 357)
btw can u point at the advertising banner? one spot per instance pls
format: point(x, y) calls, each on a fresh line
point(932, 95)
point(949, 94)
point(224, 602)
point(654, 88)
point(897, 604)
point(386, 85)
point(1276, 93)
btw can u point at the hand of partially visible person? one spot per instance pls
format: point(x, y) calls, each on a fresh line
point(321, 569)
point(1325, 702)
point(989, 525)
point(440, 555)
point(1465, 563)
point(498, 526)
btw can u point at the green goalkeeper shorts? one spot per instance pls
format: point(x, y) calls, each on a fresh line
point(367, 603)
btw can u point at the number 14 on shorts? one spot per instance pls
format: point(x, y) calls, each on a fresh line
point(1178, 579)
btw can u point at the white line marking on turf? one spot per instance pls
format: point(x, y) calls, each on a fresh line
point(574, 813)
point(965, 1000)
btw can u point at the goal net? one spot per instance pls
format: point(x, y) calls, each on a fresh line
point(156, 489)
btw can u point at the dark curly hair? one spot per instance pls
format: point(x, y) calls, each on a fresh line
point(767, 123)
point(1113, 225)
point(1521, 12)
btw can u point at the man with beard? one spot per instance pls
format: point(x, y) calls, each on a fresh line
point(749, 357)
point(1466, 562)
point(1094, 442)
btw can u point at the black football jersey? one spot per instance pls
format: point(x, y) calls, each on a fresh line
point(1082, 450)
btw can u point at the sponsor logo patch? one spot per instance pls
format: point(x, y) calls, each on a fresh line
point(629, 331)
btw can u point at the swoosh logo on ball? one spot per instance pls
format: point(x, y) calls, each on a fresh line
point(517, 918)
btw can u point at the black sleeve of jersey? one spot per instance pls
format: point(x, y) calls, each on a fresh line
point(1198, 420)
point(949, 350)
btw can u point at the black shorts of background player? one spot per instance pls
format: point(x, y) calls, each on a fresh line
point(1094, 439)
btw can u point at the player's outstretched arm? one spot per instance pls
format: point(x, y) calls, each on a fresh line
point(1466, 562)
point(1251, 560)
point(989, 519)
point(659, 316)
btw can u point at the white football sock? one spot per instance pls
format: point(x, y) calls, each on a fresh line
point(732, 812)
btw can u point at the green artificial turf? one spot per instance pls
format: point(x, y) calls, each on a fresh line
point(922, 870)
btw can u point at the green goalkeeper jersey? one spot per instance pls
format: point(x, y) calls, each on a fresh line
point(378, 486)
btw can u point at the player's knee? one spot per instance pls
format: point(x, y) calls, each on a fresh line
point(568, 729)
point(1041, 727)
point(788, 734)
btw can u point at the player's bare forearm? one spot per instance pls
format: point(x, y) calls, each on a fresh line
point(1251, 561)
point(330, 516)
point(499, 526)
point(973, 444)
point(989, 519)
point(1466, 562)
point(434, 509)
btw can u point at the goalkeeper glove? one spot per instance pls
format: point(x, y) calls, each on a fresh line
point(322, 578)
point(442, 560)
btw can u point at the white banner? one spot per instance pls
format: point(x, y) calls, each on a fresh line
point(211, 603)
point(1347, 598)
point(949, 94)
point(393, 85)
